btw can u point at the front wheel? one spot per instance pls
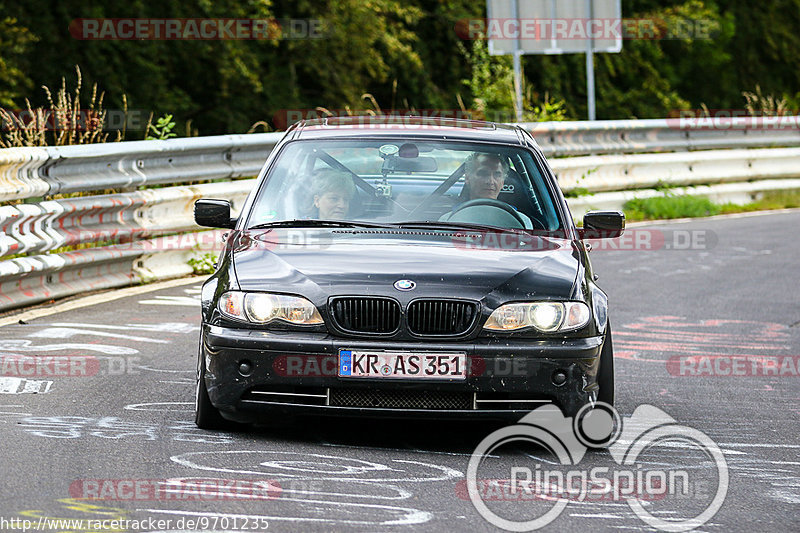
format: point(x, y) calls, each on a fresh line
point(605, 374)
point(206, 416)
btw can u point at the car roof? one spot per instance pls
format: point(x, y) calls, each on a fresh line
point(399, 126)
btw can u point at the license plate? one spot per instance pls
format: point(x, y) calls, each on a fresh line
point(378, 364)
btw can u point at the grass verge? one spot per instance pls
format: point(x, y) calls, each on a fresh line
point(690, 206)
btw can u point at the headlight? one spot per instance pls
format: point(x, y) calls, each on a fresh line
point(547, 317)
point(262, 308)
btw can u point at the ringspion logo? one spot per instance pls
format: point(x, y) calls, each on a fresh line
point(553, 485)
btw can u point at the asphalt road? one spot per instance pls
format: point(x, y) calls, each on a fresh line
point(123, 418)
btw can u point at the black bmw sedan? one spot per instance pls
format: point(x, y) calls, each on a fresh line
point(395, 267)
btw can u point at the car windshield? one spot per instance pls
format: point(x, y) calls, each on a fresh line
point(405, 182)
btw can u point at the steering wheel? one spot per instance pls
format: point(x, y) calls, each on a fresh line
point(492, 203)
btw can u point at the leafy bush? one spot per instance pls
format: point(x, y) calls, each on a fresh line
point(203, 263)
point(162, 130)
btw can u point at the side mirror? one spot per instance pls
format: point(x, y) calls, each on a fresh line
point(213, 213)
point(602, 225)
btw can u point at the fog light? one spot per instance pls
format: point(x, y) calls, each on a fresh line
point(245, 368)
point(559, 378)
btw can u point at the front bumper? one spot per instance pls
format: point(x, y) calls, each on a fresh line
point(296, 373)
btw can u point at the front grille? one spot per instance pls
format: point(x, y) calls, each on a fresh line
point(366, 315)
point(441, 317)
point(401, 399)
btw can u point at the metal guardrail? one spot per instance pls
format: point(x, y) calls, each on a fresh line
point(640, 171)
point(663, 134)
point(34, 279)
point(131, 219)
point(36, 172)
point(119, 218)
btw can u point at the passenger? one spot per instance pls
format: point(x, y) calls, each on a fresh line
point(332, 192)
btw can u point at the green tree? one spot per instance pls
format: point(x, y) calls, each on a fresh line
point(14, 42)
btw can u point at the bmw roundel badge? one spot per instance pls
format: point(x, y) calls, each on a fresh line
point(404, 285)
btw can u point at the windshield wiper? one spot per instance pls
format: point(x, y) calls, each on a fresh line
point(430, 224)
point(314, 223)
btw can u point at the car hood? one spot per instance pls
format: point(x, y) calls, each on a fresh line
point(320, 263)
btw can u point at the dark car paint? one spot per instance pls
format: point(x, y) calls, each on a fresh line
point(371, 263)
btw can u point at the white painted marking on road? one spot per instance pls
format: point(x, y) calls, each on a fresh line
point(411, 516)
point(66, 333)
point(12, 413)
point(757, 445)
point(25, 345)
point(290, 486)
point(733, 452)
point(95, 299)
point(142, 367)
point(187, 301)
point(334, 467)
point(112, 427)
point(158, 406)
point(163, 327)
point(379, 448)
point(73, 427)
point(541, 459)
point(10, 385)
point(444, 473)
point(784, 496)
point(598, 515)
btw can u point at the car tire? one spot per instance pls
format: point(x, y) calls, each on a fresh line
point(206, 416)
point(605, 374)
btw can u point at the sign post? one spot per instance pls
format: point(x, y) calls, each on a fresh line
point(517, 67)
point(590, 104)
point(554, 27)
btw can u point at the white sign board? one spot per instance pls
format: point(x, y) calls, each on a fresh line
point(553, 26)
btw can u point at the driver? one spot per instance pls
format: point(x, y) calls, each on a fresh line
point(484, 176)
